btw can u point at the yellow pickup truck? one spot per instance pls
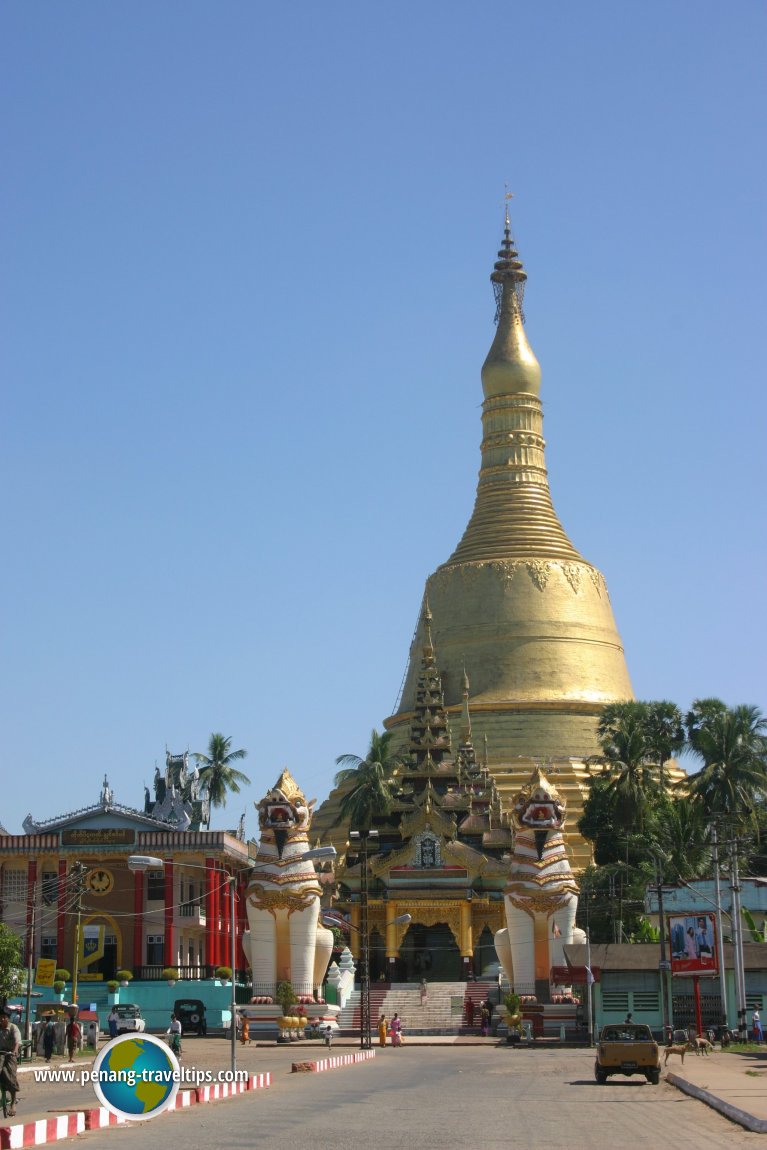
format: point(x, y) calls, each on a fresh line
point(627, 1049)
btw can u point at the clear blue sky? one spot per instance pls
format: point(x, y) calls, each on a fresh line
point(245, 303)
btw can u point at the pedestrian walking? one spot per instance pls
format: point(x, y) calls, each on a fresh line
point(396, 1031)
point(174, 1032)
point(469, 1012)
point(485, 1020)
point(382, 1030)
point(72, 1036)
point(112, 1020)
point(756, 1022)
point(49, 1039)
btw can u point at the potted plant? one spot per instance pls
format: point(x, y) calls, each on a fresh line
point(58, 985)
point(170, 974)
point(112, 985)
point(224, 973)
point(286, 996)
point(514, 1018)
point(124, 976)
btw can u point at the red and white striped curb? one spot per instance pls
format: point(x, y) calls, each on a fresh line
point(259, 1081)
point(184, 1098)
point(226, 1089)
point(336, 1061)
point(44, 1130)
point(100, 1116)
point(67, 1125)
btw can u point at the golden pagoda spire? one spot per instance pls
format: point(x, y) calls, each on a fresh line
point(513, 515)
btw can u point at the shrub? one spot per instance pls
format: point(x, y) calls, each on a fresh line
point(170, 973)
point(112, 985)
point(223, 972)
point(124, 975)
point(285, 995)
point(62, 975)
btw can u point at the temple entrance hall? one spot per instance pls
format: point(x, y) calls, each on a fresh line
point(429, 952)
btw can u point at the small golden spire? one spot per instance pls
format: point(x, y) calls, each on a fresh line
point(465, 716)
point(427, 644)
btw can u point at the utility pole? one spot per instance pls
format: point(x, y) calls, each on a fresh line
point(737, 940)
point(363, 837)
point(78, 871)
point(719, 932)
point(30, 964)
point(663, 965)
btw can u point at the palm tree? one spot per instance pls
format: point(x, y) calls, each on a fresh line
point(627, 759)
point(732, 743)
point(217, 775)
point(370, 781)
point(680, 833)
point(665, 732)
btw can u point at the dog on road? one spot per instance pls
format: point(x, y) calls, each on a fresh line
point(681, 1050)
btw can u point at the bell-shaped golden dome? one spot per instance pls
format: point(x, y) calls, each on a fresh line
point(515, 604)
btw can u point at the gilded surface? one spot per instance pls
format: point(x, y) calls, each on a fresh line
point(280, 900)
point(537, 903)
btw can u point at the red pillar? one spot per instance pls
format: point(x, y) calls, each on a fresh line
point(216, 960)
point(225, 949)
point(61, 919)
point(242, 922)
point(138, 921)
point(170, 949)
point(29, 948)
point(210, 910)
point(698, 1012)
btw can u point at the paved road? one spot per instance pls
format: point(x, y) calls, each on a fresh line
point(446, 1099)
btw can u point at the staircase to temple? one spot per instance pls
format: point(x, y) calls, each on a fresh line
point(442, 1010)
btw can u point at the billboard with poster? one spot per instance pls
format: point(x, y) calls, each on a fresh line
point(693, 944)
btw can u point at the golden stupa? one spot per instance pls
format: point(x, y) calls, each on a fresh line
point(516, 606)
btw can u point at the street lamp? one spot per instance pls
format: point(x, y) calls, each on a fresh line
point(149, 862)
point(364, 837)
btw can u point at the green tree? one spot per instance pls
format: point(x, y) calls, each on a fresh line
point(12, 975)
point(731, 742)
point(370, 781)
point(217, 775)
point(664, 731)
point(680, 834)
point(627, 759)
point(611, 902)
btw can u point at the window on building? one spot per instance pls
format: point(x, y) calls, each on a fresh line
point(155, 886)
point(155, 949)
point(14, 886)
point(50, 888)
point(48, 946)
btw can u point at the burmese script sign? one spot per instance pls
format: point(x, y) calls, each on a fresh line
point(101, 836)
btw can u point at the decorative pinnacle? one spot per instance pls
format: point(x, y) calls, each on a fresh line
point(427, 624)
point(508, 269)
